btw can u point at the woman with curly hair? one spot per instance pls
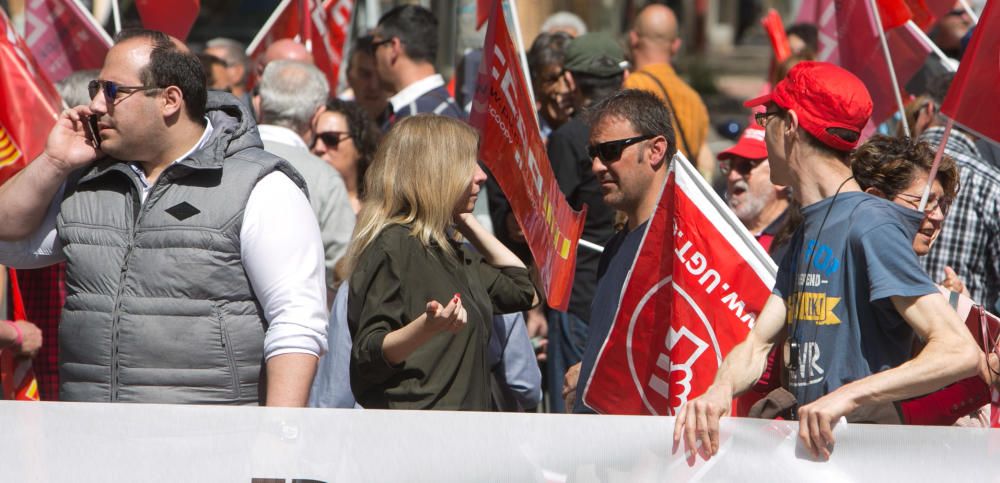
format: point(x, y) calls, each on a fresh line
point(346, 138)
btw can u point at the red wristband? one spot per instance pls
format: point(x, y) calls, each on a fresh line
point(20, 335)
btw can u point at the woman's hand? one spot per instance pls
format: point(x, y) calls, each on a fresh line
point(953, 283)
point(452, 317)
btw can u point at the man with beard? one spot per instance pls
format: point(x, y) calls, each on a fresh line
point(758, 204)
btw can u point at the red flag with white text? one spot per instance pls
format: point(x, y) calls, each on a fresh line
point(64, 37)
point(511, 147)
point(694, 291)
point(175, 17)
point(323, 30)
point(30, 103)
point(977, 83)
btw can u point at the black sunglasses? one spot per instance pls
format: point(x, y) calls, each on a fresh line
point(332, 138)
point(743, 168)
point(612, 150)
point(111, 89)
point(375, 45)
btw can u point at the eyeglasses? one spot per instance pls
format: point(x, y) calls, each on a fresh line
point(742, 168)
point(761, 117)
point(112, 89)
point(932, 203)
point(612, 150)
point(377, 44)
point(332, 138)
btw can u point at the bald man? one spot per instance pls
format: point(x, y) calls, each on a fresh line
point(284, 49)
point(653, 42)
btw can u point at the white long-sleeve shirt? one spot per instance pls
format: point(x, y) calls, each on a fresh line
point(281, 251)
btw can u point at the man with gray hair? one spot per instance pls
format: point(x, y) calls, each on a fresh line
point(291, 95)
point(234, 55)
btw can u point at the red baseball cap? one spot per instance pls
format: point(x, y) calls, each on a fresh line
point(823, 96)
point(750, 146)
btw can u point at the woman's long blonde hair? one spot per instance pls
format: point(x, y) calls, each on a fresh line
point(421, 169)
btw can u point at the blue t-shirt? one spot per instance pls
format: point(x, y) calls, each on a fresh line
point(842, 324)
point(616, 260)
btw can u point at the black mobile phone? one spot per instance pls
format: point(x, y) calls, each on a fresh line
point(90, 129)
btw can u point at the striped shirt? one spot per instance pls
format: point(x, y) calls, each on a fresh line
point(426, 96)
point(970, 239)
point(688, 109)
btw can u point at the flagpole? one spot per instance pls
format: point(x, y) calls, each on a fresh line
point(591, 245)
point(934, 166)
point(307, 25)
point(267, 26)
point(968, 10)
point(946, 61)
point(89, 17)
point(116, 13)
point(892, 71)
point(524, 58)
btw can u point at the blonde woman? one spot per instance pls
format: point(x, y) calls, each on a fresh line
point(420, 303)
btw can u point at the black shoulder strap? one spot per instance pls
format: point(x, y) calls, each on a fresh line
point(673, 113)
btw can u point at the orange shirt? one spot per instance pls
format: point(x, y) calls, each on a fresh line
point(688, 107)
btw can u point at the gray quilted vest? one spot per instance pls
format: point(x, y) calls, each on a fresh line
point(158, 306)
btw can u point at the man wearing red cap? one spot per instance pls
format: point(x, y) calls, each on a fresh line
point(759, 204)
point(850, 294)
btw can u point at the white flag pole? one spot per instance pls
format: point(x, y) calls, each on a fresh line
point(116, 13)
point(524, 58)
point(968, 10)
point(946, 61)
point(934, 166)
point(892, 71)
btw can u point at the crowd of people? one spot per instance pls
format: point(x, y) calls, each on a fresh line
point(235, 231)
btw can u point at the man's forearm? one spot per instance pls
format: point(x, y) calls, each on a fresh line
point(25, 198)
point(289, 377)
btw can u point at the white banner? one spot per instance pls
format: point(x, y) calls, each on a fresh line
point(56, 442)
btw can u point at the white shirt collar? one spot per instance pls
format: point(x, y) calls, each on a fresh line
point(198, 145)
point(413, 91)
point(269, 133)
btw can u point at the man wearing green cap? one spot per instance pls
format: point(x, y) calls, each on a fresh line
point(593, 70)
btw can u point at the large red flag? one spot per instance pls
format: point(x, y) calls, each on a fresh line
point(822, 14)
point(30, 104)
point(323, 30)
point(977, 83)
point(512, 148)
point(861, 54)
point(175, 17)
point(64, 37)
point(693, 292)
point(894, 13)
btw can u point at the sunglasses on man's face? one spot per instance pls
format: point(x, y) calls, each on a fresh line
point(378, 43)
point(332, 138)
point(612, 150)
point(112, 90)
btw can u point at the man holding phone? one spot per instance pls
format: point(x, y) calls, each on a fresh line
point(194, 263)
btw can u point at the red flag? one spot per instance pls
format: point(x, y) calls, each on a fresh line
point(776, 32)
point(822, 14)
point(693, 292)
point(893, 13)
point(922, 15)
point(327, 24)
point(977, 83)
point(30, 103)
point(512, 148)
point(482, 12)
point(64, 37)
point(17, 375)
point(861, 53)
point(173, 18)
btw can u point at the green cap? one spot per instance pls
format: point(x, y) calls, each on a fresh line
point(596, 54)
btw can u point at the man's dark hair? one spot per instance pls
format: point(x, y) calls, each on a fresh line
point(547, 49)
point(168, 66)
point(416, 28)
point(594, 88)
point(807, 32)
point(362, 45)
point(363, 131)
point(646, 112)
point(938, 85)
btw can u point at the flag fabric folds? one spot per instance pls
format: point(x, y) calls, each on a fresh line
point(64, 37)
point(175, 17)
point(511, 147)
point(321, 26)
point(30, 103)
point(693, 292)
point(977, 83)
